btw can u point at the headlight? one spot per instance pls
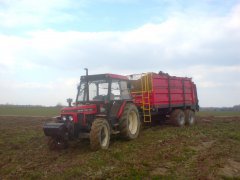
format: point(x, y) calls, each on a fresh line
point(64, 118)
point(70, 118)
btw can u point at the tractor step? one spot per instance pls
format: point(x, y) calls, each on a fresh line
point(83, 135)
point(115, 132)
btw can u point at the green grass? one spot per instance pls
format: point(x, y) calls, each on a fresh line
point(53, 111)
point(218, 113)
point(29, 111)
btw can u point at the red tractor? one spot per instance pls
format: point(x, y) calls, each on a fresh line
point(113, 104)
point(104, 106)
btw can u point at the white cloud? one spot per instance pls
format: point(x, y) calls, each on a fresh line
point(205, 48)
point(234, 21)
point(32, 85)
point(38, 93)
point(51, 85)
point(190, 40)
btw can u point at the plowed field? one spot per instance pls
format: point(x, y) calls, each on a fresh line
point(210, 149)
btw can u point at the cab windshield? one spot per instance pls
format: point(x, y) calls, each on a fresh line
point(98, 90)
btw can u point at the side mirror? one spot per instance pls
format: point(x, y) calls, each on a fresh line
point(69, 101)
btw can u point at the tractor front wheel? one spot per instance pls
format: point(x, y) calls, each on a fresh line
point(129, 123)
point(100, 134)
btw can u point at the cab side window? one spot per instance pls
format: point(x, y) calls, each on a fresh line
point(125, 93)
point(115, 91)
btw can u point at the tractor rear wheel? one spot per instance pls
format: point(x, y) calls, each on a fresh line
point(189, 117)
point(177, 118)
point(129, 123)
point(100, 134)
point(57, 143)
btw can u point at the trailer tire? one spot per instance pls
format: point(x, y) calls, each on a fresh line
point(100, 134)
point(129, 123)
point(189, 117)
point(177, 118)
point(57, 143)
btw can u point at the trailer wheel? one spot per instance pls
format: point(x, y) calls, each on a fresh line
point(177, 118)
point(57, 143)
point(100, 134)
point(189, 117)
point(129, 123)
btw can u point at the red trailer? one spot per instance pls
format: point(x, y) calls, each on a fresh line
point(163, 94)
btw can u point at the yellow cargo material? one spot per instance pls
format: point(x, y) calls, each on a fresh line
point(143, 86)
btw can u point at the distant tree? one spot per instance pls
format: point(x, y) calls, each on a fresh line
point(59, 105)
point(236, 107)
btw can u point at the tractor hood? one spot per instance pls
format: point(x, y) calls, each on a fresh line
point(74, 112)
point(86, 109)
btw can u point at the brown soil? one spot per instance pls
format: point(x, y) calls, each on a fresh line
point(208, 150)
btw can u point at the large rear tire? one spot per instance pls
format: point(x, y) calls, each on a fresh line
point(129, 123)
point(189, 117)
point(100, 134)
point(177, 118)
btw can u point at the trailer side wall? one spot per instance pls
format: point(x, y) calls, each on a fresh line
point(166, 91)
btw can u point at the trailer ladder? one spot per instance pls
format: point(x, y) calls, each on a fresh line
point(146, 104)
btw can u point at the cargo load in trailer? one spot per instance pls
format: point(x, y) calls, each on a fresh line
point(109, 104)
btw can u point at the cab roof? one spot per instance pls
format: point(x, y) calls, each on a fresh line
point(104, 76)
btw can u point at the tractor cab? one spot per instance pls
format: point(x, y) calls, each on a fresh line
point(102, 95)
point(102, 88)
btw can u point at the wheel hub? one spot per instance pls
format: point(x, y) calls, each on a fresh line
point(132, 122)
point(104, 136)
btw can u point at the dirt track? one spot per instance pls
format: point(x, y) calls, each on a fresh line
point(211, 149)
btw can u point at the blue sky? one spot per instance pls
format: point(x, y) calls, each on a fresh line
point(44, 45)
point(100, 15)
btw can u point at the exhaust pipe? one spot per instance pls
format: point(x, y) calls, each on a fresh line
point(87, 86)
